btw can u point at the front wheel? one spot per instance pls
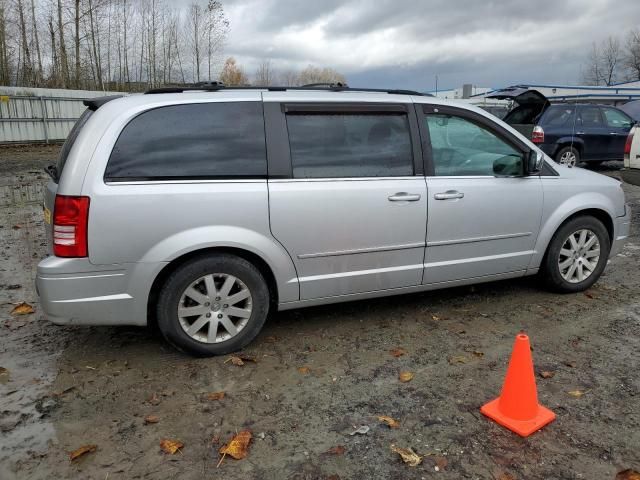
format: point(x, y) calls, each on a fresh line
point(213, 305)
point(577, 255)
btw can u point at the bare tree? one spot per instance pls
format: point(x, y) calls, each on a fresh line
point(290, 78)
point(5, 72)
point(312, 74)
point(232, 73)
point(265, 74)
point(611, 60)
point(632, 55)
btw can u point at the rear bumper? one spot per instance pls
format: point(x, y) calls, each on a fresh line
point(621, 231)
point(75, 292)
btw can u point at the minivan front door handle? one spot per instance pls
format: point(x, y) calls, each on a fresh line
point(404, 197)
point(448, 195)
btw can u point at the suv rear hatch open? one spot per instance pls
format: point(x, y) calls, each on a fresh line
point(528, 107)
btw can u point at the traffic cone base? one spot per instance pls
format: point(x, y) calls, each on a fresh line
point(524, 428)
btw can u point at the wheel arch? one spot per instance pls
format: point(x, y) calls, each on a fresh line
point(577, 143)
point(546, 235)
point(251, 257)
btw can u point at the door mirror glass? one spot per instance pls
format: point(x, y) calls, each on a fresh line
point(535, 162)
point(508, 166)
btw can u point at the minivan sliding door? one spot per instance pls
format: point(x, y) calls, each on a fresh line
point(351, 209)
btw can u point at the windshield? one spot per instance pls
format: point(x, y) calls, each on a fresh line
point(71, 139)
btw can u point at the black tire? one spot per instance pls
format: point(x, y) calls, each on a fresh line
point(568, 149)
point(187, 273)
point(550, 265)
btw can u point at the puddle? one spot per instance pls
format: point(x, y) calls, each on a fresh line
point(28, 352)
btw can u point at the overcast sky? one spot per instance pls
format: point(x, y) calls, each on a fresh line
point(405, 43)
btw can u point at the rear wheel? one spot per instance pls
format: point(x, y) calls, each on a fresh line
point(569, 156)
point(213, 305)
point(577, 255)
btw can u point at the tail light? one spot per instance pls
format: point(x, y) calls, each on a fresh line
point(537, 136)
point(627, 145)
point(70, 220)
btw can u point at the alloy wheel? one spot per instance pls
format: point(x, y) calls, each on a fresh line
point(579, 256)
point(568, 158)
point(215, 308)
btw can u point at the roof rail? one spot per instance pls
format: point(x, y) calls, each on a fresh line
point(326, 85)
point(216, 87)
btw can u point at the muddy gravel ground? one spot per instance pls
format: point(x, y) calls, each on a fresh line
point(319, 374)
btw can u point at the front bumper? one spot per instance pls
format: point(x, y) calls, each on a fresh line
point(621, 231)
point(76, 292)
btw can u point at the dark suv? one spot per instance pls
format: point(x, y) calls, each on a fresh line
point(568, 132)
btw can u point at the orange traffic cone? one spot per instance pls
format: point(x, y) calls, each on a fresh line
point(517, 406)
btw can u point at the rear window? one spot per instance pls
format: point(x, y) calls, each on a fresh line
point(193, 141)
point(71, 139)
point(559, 116)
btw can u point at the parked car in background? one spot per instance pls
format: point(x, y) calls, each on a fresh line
point(205, 209)
point(632, 109)
point(631, 172)
point(568, 132)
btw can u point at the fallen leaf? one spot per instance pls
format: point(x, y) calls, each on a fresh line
point(478, 353)
point(408, 456)
point(405, 376)
point(457, 359)
point(547, 374)
point(576, 393)
point(238, 446)
point(59, 393)
point(151, 419)
point(171, 446)
point(441, 462)
point(391, 422)
point(82, 451)
point(337, 450)
point(590, 295)
point(397, 352)
point(215, 396)
point(239, 360)
point(17, 227)
point(271, 339)
point(435, 317)
point(506, 476)
point(363, 430)
point(304, 370)
point(22, 309)
point(154, 399)
point(628, 475)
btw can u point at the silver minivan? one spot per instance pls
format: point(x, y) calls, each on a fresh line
point(205, 209)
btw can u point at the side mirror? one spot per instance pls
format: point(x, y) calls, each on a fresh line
point(535, 162)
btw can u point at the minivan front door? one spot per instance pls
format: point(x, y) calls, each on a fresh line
point(352, 215)
point(484, 214)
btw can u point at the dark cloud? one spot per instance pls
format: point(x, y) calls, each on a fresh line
point(405, 43)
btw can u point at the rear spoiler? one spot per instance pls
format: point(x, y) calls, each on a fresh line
point(96, 103)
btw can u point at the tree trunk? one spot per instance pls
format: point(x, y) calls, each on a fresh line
point(77, 43)
point(40, 74)
point(55, 73)
point(64, 59)
point(27, 68)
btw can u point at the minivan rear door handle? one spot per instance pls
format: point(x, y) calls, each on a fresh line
point(448, 195)
point(404, 197)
